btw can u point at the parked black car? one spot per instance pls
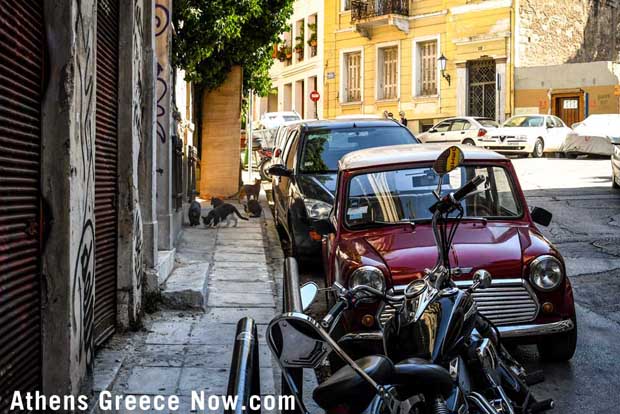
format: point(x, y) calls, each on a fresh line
point(305, 180)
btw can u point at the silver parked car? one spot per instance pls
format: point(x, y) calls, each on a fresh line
point(595, 135)
point(459, 130)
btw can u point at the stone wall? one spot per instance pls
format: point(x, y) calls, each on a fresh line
point(564, 31)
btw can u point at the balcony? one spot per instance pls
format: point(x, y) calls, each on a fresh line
point(373, 13)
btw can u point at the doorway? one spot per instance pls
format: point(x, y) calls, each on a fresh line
point(568, 107)
point(482, 97)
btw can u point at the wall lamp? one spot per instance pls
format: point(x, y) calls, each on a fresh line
point(442, 66)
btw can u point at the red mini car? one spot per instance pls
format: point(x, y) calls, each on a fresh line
point(379, 233)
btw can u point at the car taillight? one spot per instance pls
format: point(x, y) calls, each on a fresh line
point(482, 132)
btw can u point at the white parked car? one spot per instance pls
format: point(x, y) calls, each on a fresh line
point(275, 119)
point(459, 130)
point(528, 134)
point(595, 135)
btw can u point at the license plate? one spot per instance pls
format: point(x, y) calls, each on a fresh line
point(513, 143)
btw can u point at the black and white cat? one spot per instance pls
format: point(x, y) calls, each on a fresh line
point(222, 212)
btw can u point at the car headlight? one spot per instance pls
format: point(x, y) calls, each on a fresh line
point(367, 276)
point(317, 209)
point(546, 273)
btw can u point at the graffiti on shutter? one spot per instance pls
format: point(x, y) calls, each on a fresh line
point(21, 83)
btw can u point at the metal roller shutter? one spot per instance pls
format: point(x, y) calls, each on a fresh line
point(21, 83)
point(106, 185)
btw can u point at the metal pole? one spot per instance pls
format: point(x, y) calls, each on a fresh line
point(249, 135)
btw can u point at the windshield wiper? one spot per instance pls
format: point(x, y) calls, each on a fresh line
point(380, 223)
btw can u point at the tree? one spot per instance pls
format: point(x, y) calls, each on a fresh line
point(212, 36)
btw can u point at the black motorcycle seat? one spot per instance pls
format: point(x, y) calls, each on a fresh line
point(346, 386)
point(421, 376)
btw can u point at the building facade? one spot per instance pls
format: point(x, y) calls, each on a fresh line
point(567, 58)
point(298, 64)
point(88, 213)
point(384, 55)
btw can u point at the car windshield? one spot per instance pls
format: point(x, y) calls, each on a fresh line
point(288, 118)
point(487, 122)
point(525, 121)
point(324, 148)
point(394, 196)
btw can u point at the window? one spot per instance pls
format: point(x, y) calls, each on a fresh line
point(460, 125)
point(388, 73)
point(407, 194)
point(352, 77)
point(443, 127)
point(427, 68)
point(323, 148)
point(558, 122)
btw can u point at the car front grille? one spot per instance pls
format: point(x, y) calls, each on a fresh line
point(506, 302)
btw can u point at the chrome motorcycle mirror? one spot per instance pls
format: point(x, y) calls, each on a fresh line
point(308, 292)
point(482, 279)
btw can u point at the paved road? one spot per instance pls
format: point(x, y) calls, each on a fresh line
point(586, 229)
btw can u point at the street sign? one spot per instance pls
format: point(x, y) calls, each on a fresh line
point(315, 96)
point(617, 90)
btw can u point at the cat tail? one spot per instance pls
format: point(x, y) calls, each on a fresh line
point(239, 215)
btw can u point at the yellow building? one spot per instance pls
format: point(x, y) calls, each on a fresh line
point(383, 55)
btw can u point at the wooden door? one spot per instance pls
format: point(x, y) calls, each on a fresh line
point(569, 108)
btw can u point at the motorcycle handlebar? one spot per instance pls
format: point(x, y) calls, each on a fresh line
point(334, 312)
point(462, 192)
point(448, 202)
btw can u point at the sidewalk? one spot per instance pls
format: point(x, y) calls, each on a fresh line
point(181, 351)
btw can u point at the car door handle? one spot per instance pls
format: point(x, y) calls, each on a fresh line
point(443, 134)
point(462, 132)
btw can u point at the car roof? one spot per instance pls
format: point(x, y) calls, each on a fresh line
point(400, 154)
point(350, 123)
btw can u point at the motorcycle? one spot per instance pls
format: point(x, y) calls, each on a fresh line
point(266, 155)
point(441, 356)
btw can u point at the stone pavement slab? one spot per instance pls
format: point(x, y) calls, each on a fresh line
point(232, 315)
point(236, 299)
point(153, 380)
point(240, 286)
point(169, 333)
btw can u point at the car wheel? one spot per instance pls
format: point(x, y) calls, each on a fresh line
point(539, 148)
point(469, 141)
point(559, 348)
point(614, 184)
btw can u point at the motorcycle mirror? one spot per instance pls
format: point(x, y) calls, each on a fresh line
point(308, 292)
point(448, 160)
point(482, 279)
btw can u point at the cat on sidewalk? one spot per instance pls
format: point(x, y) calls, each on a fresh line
point(220, 213)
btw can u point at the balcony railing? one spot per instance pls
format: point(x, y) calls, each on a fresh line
point(361, 10)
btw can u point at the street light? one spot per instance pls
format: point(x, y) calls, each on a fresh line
point(442, 66)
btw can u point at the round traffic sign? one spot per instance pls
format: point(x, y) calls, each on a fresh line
point(315, 96)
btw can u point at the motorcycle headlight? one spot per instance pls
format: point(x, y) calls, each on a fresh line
point(367, 276)
point(546, 273)
point(317, 209)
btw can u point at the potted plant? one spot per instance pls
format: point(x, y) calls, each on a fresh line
point(312, 41)
point(299, 46)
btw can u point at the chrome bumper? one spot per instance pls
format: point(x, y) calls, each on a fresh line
point(520, 331)
point(514, 331)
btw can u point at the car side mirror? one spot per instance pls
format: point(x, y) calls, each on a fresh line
point(432, 130)
point(279, 170)
point(541, 216)
point(324, 227)
point(550, 126)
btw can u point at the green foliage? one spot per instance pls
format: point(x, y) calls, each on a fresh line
point(212, 36)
